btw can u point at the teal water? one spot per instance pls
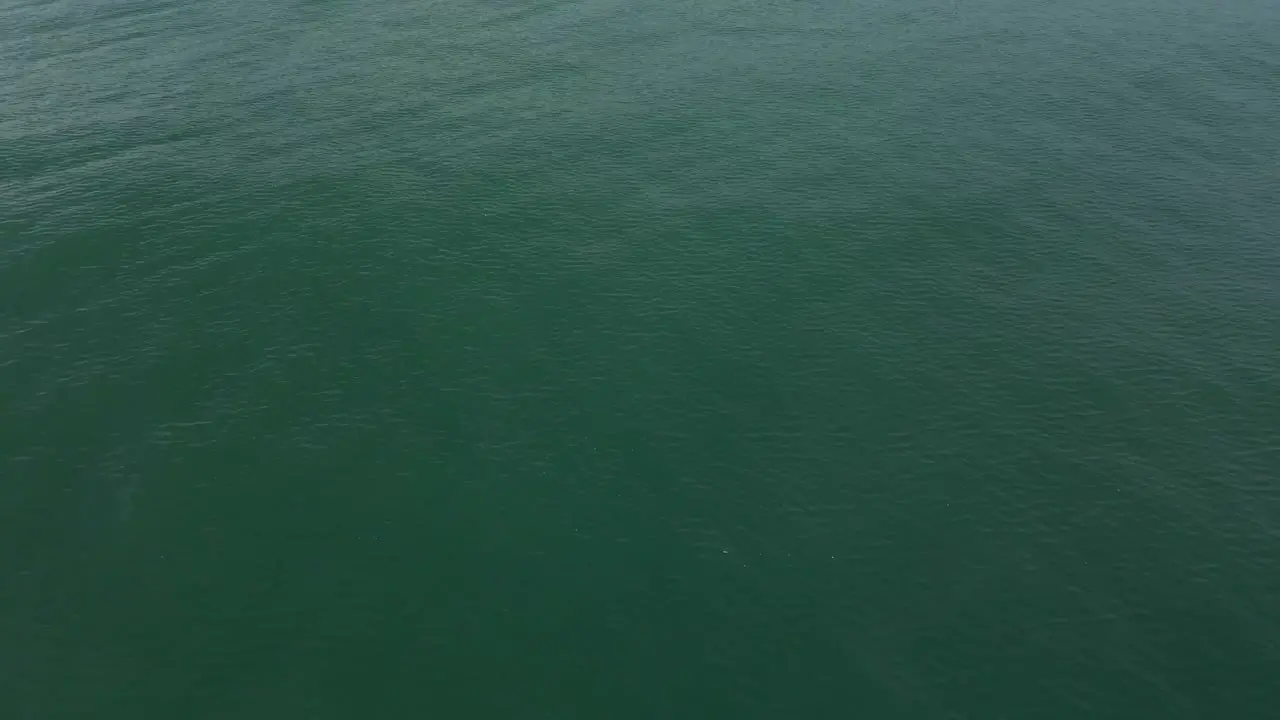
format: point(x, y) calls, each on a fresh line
point(649, 359)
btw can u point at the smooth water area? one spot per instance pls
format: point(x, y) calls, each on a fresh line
point(652, 359)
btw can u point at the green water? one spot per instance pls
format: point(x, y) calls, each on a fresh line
point(652, 359)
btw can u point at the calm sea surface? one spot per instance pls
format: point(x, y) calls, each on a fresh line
point(639, 359)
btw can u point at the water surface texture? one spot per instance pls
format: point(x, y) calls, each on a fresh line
point(639, 359)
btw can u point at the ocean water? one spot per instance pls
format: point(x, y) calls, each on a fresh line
point(645, 359)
